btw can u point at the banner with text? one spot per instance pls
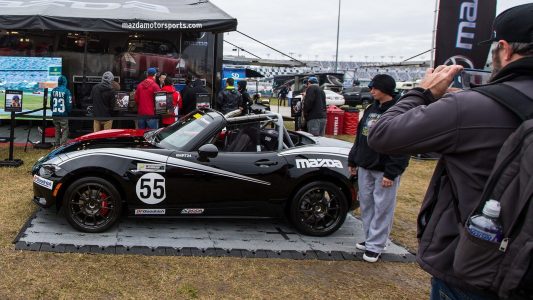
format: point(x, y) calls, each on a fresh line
point(461, 25)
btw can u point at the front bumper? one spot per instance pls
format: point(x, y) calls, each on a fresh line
point(43, 192)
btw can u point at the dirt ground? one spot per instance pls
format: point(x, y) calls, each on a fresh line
point(35, 275)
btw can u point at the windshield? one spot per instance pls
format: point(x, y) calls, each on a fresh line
point(179, 134)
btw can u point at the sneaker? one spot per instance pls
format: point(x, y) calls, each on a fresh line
point(371, 257)
point(360, 246)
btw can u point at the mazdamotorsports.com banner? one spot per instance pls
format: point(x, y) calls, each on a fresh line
point(461, 25)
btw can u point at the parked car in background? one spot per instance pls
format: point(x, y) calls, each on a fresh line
point(333, 98)
point(357, 95)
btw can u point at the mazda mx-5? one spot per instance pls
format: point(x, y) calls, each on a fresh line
point(206, 164)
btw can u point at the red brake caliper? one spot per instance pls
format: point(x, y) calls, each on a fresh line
point(104, 209)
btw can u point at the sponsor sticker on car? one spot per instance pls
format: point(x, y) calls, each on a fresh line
point(143, 167)
point(147, 211)
point(48, 184)
point(192, 211)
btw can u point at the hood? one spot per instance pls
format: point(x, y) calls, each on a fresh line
point(62, 81)
point(521, 67)
point(148, 81)
point(111, 133)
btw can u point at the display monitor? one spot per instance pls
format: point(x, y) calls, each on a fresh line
point(29, 75)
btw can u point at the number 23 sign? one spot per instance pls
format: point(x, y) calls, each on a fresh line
point(150, 188)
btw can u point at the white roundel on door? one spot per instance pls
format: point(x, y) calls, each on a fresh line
point(150, 188)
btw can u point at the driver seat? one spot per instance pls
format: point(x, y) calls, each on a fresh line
point(244, 141)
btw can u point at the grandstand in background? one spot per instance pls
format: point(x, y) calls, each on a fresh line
point(353, 71)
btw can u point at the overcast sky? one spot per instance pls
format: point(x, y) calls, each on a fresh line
point(307, 28)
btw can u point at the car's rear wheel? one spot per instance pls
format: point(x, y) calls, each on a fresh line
point(92, 204)
point(319, 208)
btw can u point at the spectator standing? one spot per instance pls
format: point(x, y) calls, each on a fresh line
point(283, 95)
point(468, 129)
point(314, 108)
point(229, 99)
point(144, 96)
point(191, 94)
point(61, 104)
point(246, 100)
point(176, 102)
point(103, 97)
point(160, 79)
point(378, 174)
point(189, 99)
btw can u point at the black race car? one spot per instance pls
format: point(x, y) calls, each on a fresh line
point(206, 164)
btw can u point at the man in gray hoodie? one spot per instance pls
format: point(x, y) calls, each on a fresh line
point(103, 95)
point(468, 129)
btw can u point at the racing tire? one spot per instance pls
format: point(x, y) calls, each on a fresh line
point(92, 204)
point(318, 208)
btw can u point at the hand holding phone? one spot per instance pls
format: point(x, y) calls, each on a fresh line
point(439, 79)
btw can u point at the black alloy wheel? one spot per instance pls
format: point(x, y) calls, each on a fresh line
point(92, 204)
point(318, 209)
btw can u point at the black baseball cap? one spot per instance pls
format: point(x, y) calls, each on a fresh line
point(514, 25)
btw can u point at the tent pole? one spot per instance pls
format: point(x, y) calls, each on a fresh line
point(215, 71)
point(433, 39)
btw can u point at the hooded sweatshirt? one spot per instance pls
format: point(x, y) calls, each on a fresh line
point(61, 99)
point(362, 155)
point(103, 96)
point(144, 96)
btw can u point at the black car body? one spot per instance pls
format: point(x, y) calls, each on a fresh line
point(206, 164)
point(357, 95)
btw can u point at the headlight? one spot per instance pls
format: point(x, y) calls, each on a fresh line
point(47, 171)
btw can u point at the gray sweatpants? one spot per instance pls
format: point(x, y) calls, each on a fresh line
point(377, 208)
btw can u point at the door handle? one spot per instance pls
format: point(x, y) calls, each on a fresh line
point(266, 163)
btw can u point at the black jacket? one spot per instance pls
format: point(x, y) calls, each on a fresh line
point(468, 129)
point(103, 97)
point(189, 96)
point(362, 155)
point(229, 100)
point(246, 101)
point(314, 103)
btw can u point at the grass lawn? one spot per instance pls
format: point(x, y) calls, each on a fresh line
point(31, 275)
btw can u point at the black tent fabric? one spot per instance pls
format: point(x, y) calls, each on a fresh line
point(115, 15)
point(253, 74)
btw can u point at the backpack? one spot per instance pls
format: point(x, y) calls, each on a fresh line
point(505, 268)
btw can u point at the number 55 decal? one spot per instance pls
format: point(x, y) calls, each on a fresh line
point(150, 188)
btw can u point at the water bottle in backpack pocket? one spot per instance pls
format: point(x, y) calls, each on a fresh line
point(487, 226)
point(478, 251)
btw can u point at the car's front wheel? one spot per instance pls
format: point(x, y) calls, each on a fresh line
point(92, 204)
point(319, 208)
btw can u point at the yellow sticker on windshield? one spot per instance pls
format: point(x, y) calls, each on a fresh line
point(197, 116)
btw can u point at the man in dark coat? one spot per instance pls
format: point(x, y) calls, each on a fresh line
point(190, 96)
point(229, 99)
point(468, 129)
point(103, 97)
point(314, 108)
point(246, 100)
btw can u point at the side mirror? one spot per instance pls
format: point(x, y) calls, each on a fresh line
point(207, 151)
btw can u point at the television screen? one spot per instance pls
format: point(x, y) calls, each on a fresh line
point(29, 75)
